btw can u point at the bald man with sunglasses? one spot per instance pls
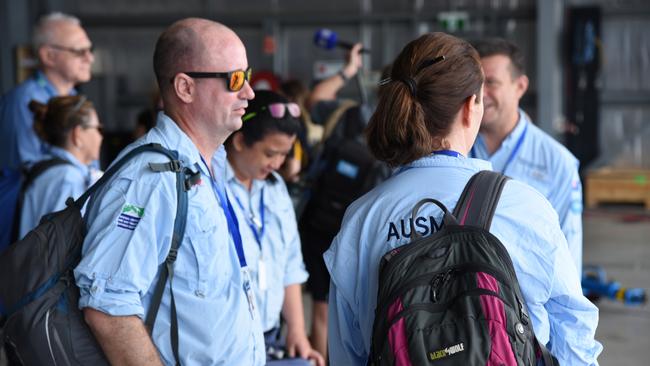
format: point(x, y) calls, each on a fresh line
point(65, 57)
point(203, 73)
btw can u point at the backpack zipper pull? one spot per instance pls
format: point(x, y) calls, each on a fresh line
point(438, 281)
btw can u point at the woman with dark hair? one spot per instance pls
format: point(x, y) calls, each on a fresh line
point(268, 223)
point(71, 127)
point(426, 121)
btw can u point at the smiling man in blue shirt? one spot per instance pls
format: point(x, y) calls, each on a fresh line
point(202, 72)
point(65, 57)
point(521, 150)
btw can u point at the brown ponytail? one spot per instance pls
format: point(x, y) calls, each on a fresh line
point(54, 122)
point(430, 80)
point(40, 110)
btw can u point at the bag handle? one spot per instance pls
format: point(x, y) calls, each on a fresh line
point(447, 217)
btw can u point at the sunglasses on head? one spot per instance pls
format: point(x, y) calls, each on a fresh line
point(235, 79)
point(277, 110)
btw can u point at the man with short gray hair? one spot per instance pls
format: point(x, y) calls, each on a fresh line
point(65, 56)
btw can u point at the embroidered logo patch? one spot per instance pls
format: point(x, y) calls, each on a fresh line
point(130, 216)
point(446, 352)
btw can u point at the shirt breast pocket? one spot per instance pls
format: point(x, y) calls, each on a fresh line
point(203, 261)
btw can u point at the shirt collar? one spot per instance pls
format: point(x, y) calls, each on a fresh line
point(513, 137)
point(436, 160)
point(232, 179)
point(58, 152)
point(46, 84)
point(168, 132)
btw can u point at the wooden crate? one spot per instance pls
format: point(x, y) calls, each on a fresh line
point(614, 185)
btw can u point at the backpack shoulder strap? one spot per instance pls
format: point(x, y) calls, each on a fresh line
point(479, 199)
point(39, 168)
point(29, 176)
point(183, 184)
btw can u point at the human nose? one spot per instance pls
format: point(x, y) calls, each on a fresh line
point(276, 163)
point(89, 55)
point(246, 91)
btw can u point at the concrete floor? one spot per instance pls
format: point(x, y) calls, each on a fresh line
point(618, 239)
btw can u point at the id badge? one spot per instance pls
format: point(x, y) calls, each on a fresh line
point(250, 296)
point(261, 275)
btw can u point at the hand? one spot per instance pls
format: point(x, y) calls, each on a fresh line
point(354, 61)
point(298, 345)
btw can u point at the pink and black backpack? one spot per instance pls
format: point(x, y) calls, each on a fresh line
point(452, 298)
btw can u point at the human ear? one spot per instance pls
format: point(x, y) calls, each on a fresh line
point(75, 137)
point(238, 141)
point(46, 56)
point(184, 87)
point(522, 85)
point(469, 109)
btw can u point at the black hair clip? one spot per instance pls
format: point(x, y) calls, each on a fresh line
point(383, 82)
point(430, 62)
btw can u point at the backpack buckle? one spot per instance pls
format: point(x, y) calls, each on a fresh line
point(522, 312)
point(170, 166)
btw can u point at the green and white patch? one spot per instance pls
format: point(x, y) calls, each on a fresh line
point(130, 216)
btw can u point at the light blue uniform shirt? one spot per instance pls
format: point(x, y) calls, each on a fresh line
point(544, 164)
point(18, 142)
point(525, 223)
point(51, 189)
point(280, 248)
point(120, 262)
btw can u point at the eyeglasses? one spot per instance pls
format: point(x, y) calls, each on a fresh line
point(277, 110)
point(235, 78)
point(77, 52)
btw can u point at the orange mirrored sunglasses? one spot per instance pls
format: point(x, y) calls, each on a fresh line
point(235, 79)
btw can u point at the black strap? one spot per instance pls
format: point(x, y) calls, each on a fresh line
point(479, 199)
point(547, 357)
point(167, 268)
point(30, 175)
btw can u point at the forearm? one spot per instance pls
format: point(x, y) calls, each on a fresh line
point(325, 90)
point(124, 339)
point(292, 309)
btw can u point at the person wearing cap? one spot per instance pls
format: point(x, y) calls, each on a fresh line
point(268, 224)
point(65, 57)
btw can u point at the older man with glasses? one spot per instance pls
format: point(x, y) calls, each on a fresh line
point(65, 57)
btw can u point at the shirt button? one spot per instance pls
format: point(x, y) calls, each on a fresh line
point(199, 294)
point(93, 289)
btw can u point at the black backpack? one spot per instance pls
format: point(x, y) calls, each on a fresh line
point(345, 171)
point(14, 183)
point(39, 315)
point(453, 297)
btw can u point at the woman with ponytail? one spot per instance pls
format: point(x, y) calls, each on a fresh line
point(71, 127)
point(427, 119)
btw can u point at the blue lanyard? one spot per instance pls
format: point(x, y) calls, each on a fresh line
point(520, 141)
point(452, 153)
point(515, 150)
point(233, 225)
point(258, 230)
